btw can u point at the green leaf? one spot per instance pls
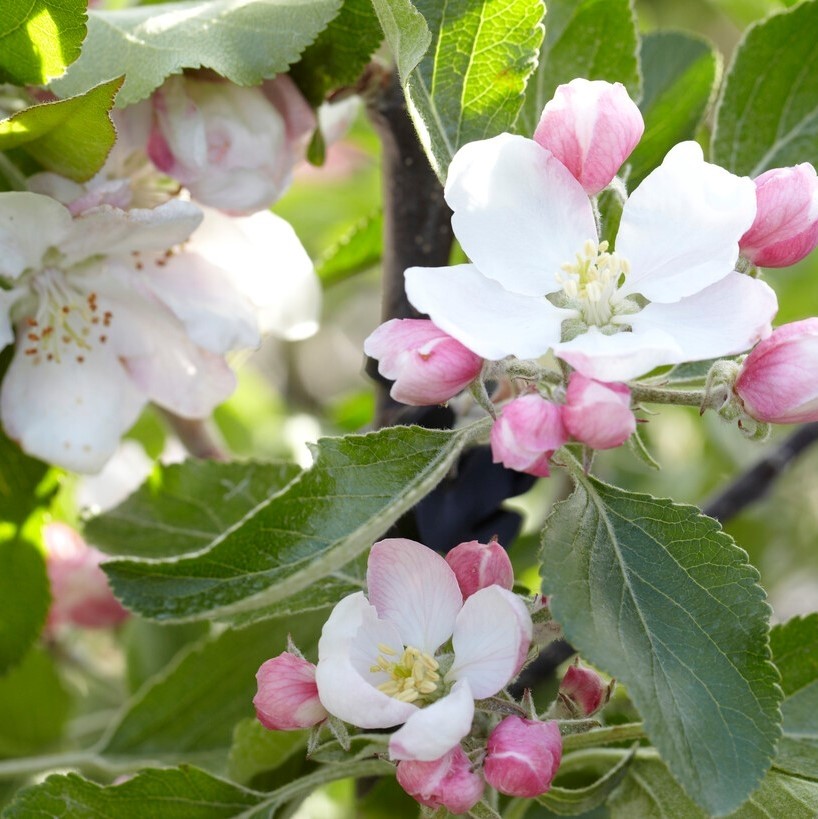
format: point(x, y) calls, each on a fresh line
point(595, 39)
point(187, 507)
point(245, 42)
point(658, 596)
point(768, 119)
point(358, 250)
point(33, 706)
point(20, 477)
point(680, 72)
point(39, 38)
point(256, 749)
point(470, 84)
point(340, 53)
point(358, 487)
point(71, 137)
point(406, 33)
point(24, 599)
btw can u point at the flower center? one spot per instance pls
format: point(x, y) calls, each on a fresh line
point(413, 676)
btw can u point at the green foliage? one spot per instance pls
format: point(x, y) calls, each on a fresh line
point(340, 53)
point(20, 477)
point(71, 137)
point(406, 33)
point(680, 72)
point(768, 119)
point(245, 42)
point(470, 84)
point(357, 488)
point(595, 39)
point(658, 596)
point(358, 250)
point(33, 706)
point(189, 506)
point(39, 38)
point(256, 749)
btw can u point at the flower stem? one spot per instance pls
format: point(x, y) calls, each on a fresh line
point(602, 736)
point(662, 395)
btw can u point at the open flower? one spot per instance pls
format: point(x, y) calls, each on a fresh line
point(415, 654)
point(541, 278)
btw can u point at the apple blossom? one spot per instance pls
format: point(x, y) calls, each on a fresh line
point(583, 691)
point(785, 228)
point(233, 148)
point(448, 782)
point(778, 381)
point(596, 414)
point(80, 594)
point(526, 434)
point(523, 756)
point(427, 366)
point(591, 127)
point(386, 660)
point(541, 279)
point(478, 565)
point(287, 696)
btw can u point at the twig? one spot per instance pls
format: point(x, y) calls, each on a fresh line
point(198, 437)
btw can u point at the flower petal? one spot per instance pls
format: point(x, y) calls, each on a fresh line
point(680, 228)
point(491, 640)
point(482, 315)
point(433, 731)
point(518, 212)
point(414, 588)
point(726, 318)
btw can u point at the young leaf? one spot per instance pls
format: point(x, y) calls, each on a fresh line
point(358, 487)
point(71, 137)
point(39, 38)
point(658, 596)
point(20, 476)
point(583, 38)
point(470, 84)
point(257, 749)
point(360, 249)
point(245, 42)
point(406, 33)
point(186, 507)
point(680, 71)
point(768, 119)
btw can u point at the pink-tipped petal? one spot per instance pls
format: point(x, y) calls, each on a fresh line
point(287, 695)
point(448, 782)
point(479, 565)
point(598, 414)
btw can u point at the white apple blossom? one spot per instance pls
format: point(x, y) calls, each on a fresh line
point(387, 661)
point(541, 278)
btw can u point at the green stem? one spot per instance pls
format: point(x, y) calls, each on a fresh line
point(602, 736)
point(662, 395)
point(346, 770)
point(12, 174)
point(86, 760)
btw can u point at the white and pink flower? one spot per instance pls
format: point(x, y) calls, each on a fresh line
point(479, 565)
point(414, 654)
point(596, 414)
point(287, 696)
point(448, 782)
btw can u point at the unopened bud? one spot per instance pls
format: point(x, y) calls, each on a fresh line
point(596, 414)
point(583, 692)
point(477, 565)
point(287, 697)
point(448, 782)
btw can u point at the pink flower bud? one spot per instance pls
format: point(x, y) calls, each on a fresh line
point(523, 756)
point(448, 782)
point(234, 148)
point(80, 594)
point(778, 381)
point(477, 565)
point(427, 366)
point(527, 433)
point(591, 127)
point(599, 415)
point(583, 691)
point(786, 224)
point(287, 696)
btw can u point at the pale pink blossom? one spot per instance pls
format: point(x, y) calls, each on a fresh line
point(523, 756)
point(591, 126)
point(526, 434)
point(448, 782)
point(414, 654)
point(287, 696)
point(583, 691)
point(785, 229)
point(80, 594)
point(478, 565)
point(427, 365)
point(778, 381)
point(596, 414)
point(233, 148)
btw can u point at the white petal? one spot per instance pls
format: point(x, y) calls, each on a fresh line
point(342, 625)
point(414, 588)
point(491, 637)
point(621, 356)
point(29, 225)
point(433, 731)
point(482, 315)
point(680, 228)
point(8, 298)
point(69, 413)
point(726, 318)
